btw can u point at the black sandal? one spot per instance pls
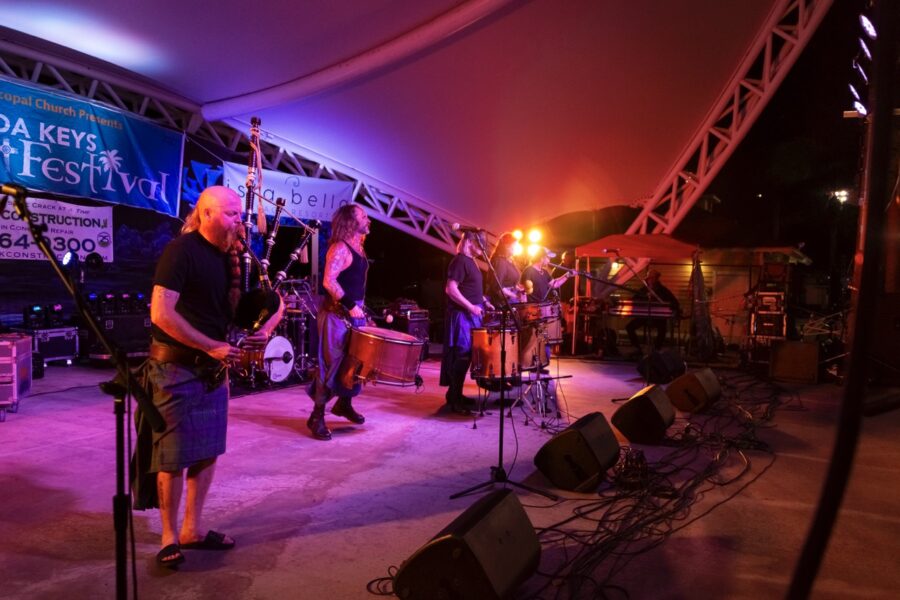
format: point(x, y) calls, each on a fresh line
point(213, 541)
point(170, 556)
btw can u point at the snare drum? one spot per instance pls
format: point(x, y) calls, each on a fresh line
point(275, 361)
point(529, 313)
point(486, 353)
point(381, 355)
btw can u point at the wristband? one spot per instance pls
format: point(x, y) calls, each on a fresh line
point(347, 303)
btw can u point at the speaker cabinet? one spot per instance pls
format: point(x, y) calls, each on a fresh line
point(661, 366)
point(692, 392)
point(794, 361)
point(644, 418)
point(486, 552)
point(576, 458)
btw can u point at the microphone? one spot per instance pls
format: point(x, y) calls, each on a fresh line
point(466, 228)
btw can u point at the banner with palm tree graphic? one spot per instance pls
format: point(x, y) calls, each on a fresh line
point(61, 143)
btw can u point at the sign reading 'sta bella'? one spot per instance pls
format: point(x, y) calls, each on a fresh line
point(61, 143)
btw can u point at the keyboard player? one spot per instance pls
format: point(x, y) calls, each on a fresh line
point(660, 293)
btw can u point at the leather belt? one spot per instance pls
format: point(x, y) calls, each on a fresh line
point(181, 356)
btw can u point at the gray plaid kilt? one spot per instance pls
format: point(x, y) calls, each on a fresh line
point(196, 417)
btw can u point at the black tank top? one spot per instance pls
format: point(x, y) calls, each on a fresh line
point(353, 279)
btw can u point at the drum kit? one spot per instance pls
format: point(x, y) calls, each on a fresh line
point(288, 351)
point(537, 325)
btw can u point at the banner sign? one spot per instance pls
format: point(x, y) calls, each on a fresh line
point(79, 229)
point(305, 197)
point(60, 143)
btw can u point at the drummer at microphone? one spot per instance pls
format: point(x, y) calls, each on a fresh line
point(344, 281)
point(465, 299)
point(508, 274)
point(538, 281)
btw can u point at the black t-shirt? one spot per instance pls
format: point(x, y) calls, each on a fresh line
point(540, 280)
point(201, 274)
point(507, 274)
point(465, 272)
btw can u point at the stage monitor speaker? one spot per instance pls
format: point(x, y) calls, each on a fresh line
point(661, 366)
point(486, 552)
point(692, 392)
point(576, 458)
point(644, 418)
point(794, 361)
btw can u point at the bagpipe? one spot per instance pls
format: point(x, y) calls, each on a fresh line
point(257, 304)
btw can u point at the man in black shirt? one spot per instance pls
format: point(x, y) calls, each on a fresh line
point(465, 302)
point(191, 308)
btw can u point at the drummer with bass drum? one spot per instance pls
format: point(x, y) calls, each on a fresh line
point(344, 281)
point(540, 285)
point(537, 280)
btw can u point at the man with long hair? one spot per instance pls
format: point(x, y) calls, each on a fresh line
point(344, 281)
point(465, 306)
point(187, 370)
point(508, 274)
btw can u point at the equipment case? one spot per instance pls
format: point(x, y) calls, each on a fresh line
point(58, 343)
point(15, 371)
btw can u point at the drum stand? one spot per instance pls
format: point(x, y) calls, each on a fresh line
point(301, 359)
point(498, 473)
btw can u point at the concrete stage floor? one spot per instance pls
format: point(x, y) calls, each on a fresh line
point(319, 519)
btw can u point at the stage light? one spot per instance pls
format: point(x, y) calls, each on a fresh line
point(93, 261)
point(859, 71)
point(533, 249)
point(841, 195)
point(517, 249)
point(517, 234)
point(534, 236)
point(70, 259)
point(854, 93)
point(614, 268)
point(860, 108)
point(864, 49)
point(868, 27)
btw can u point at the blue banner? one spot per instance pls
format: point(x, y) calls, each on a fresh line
point(61, 143)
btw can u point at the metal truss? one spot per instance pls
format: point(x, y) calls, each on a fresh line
point(382, 201)
point(790, 26)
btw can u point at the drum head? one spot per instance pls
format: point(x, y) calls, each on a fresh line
point(278, 359)
point(388, 334)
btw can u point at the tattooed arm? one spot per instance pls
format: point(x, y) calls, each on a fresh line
point(164, 316)
point(337, 260)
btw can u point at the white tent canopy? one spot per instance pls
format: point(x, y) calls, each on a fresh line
point(502, 112)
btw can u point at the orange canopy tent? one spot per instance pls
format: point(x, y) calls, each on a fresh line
point(658, 247)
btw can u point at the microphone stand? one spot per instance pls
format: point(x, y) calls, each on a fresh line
point(119, 388)
point(498, 473)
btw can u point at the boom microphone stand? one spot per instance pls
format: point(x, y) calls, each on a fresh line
point(123, 385)
point(498, 473)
